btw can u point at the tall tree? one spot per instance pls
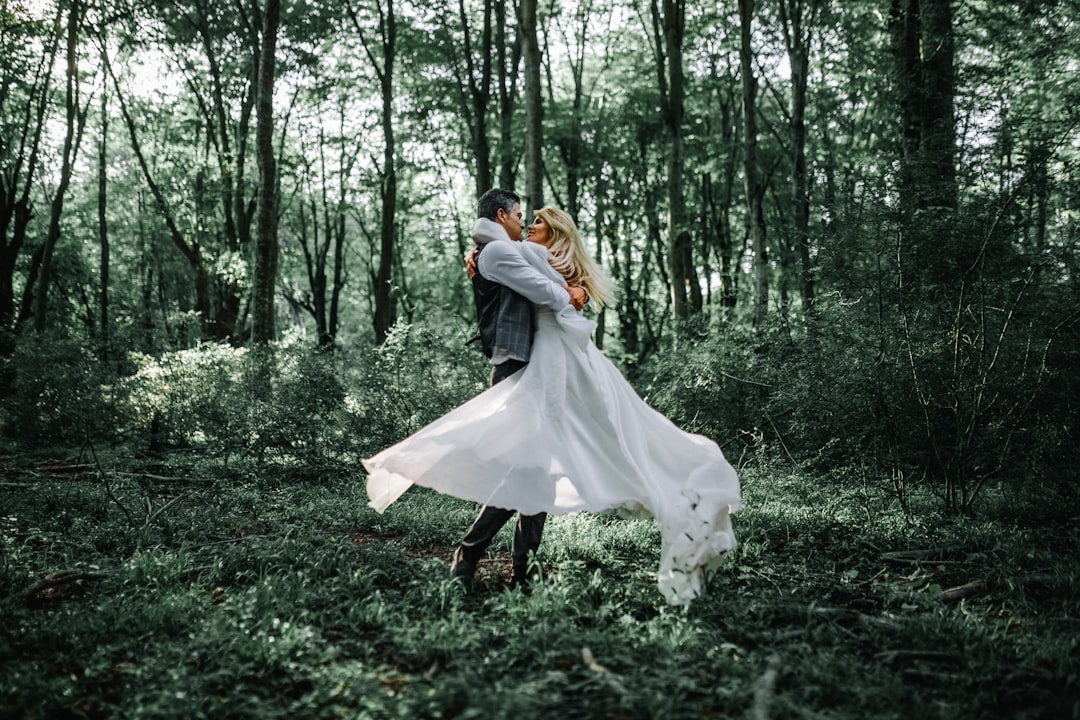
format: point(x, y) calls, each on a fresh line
point(75, 120)
point(798, 33)
point(718, 193)
point(534, 108)
point(923, 56)
point(20, 146)
point(218, 31)
point(755, 188)
point(669, 29)
point(473, 71)
point(214, 45)
point(385, 307)
point(507, 70)
point(103, 224)
point(266, 244)
point(320, 226)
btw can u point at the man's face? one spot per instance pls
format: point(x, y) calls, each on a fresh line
point(511, 221)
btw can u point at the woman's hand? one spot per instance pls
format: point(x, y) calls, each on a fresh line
point(578, 296)
point(470, 262)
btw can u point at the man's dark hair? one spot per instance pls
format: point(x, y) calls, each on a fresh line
point(494, 200)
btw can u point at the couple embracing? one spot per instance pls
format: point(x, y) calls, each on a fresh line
point(559, 430)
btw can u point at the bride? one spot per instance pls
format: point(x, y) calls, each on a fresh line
point(568, 433)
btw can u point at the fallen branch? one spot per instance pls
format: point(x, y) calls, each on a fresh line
point(108, 488)
point(927, 561)
point(923, 554)
point(971, 589)
point(834, 614)
point(58, 579)
point(152, 515)
point(160, 478)
point(908, 656)
point(59, 466)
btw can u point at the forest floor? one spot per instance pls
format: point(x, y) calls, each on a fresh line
point(198, 588)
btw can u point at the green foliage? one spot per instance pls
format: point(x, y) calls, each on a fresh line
point(709, 384)
point(285, 598)
point(183, 397)
point(417, 375)
point(291, 404)
point(56, 391)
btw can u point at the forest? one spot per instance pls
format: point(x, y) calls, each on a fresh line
point(844, 238)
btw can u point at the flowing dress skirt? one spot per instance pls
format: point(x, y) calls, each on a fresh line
point(568, 433)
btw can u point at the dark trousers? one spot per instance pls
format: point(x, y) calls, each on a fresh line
point(530, 528)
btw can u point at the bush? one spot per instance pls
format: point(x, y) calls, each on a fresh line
point(56, 392)
point(414, 378)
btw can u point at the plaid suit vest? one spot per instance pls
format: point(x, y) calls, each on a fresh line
point(505, 317)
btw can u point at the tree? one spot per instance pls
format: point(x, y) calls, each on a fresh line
point(798, 32)
point(534, 108)
point(507, 76)
point(755, 189)
point(266, 245)
point(216, 48)
point(75, 119)
point(191, 251)
point(923, 49)
point(669, 27)
point(385, 307)
point(473, 85)
point(321, 225)
point(103, 222)
point(24, 116)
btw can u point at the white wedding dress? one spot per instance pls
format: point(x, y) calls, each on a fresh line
point(568, 433)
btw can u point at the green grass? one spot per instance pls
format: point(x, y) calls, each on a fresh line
point(271, 593)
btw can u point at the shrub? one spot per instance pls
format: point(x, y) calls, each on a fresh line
point(414, 378)
point(56, 392)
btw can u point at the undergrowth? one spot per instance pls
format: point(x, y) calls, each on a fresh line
point(250, 592)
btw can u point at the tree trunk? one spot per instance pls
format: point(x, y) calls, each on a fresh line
point(904, 31)
point(534, 109)
point(73, 130)
point(479, 93)
point(385, 309)
point(15, 208)
point(571, 148)
point(339, 270)
point(930, 249)
point(685, 289)
point(754, 190)
point(385, 312)
point(103, 226)
point(229, 41)
point(923, 59)
point(939, 122)
point(718, 193)
point(506, 75)
point(266, 243)
point(797, 37)
point(600, 220)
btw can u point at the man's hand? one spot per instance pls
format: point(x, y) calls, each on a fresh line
point(470, 262)
point(578, 296)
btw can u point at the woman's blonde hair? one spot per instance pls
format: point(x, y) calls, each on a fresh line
point(567, 254)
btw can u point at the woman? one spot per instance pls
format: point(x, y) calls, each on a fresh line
point(568, 433)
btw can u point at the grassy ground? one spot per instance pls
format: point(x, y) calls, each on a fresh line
point(240, 592)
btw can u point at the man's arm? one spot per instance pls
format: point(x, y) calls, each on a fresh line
point(504, 264)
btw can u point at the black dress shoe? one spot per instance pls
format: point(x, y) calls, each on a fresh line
point(463, 575)
point(521, 581)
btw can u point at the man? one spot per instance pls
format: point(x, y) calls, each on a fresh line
point(505, 287)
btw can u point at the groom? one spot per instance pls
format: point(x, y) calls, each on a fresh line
point(505, 287)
